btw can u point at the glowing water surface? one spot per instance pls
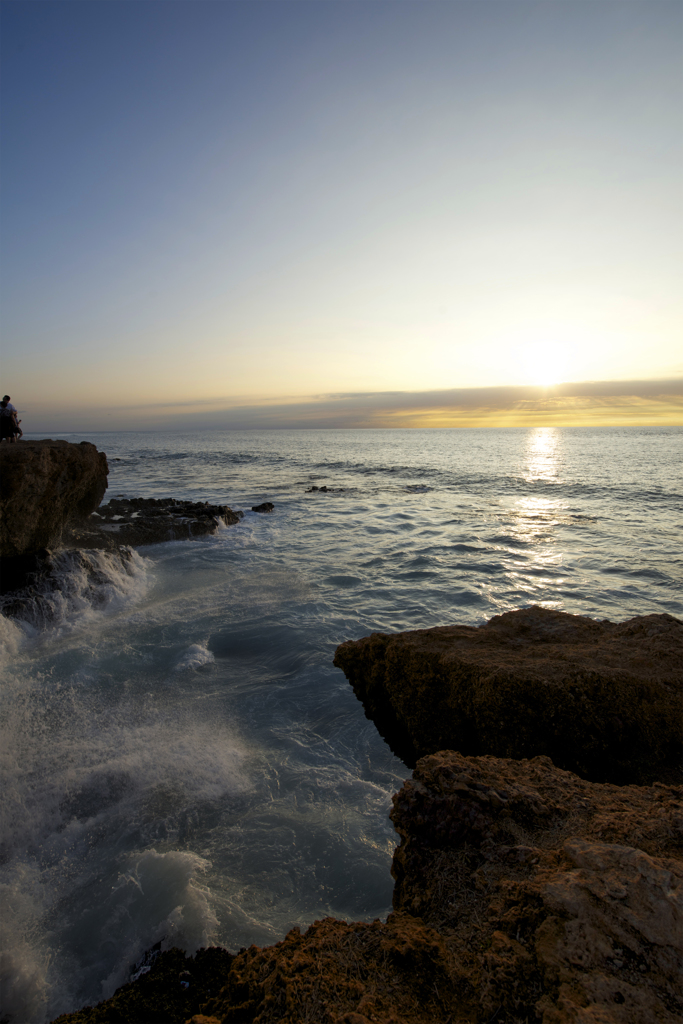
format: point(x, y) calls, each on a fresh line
point(180, 759)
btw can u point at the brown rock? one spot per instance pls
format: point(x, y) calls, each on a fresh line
point(168, 991)
point(339, 973)
point(601, 699)
point(557, 900)
point(44, 486)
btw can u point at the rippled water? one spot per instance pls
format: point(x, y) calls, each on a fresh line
point(180, 760)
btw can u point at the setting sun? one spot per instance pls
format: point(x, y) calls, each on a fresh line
point(545, 363)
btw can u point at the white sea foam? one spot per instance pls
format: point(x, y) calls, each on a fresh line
point(84, 782)
point(156, 898)
point(24, 951)
point(159, 898)
point(194, 657)
point(11, 640)
point(76, 585)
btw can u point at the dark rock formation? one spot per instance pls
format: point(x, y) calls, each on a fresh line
point(265, 506)
point(137, 521)
point(45, 486)
point(523, 894)
point(65, 578)
point(168, 992)
point(49, 491)
point(602, 699)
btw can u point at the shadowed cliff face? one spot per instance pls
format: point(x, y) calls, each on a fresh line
point(604, 700)
point(44, 486)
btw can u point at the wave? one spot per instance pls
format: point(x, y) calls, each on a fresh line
point(91, 787)
point(71, 584)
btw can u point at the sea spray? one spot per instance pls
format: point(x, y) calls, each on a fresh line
point(87, 792)
point(73, 584)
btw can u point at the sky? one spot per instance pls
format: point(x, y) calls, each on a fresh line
point(341, 213)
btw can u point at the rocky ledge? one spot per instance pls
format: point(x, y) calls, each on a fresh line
point(602, 699)
point(50, 494)
point(138, 521)
point(44, 486)
point(523, 894)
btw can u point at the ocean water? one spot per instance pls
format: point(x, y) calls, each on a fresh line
point(180, 760)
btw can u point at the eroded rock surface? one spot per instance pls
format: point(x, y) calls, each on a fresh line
point(602, 699)
point(138, 521)
point(45, 486)
point(557, 899)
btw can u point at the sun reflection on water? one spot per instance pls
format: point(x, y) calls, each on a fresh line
point(536, 517)
point(542, 454)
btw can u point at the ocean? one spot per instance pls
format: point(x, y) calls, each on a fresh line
point(181, 762)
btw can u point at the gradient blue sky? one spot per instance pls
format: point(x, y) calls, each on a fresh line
point(231, 203)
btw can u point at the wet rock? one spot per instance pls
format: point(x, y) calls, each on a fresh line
point(137, 521)
point(337, 972)
point(266, 506)
point(44, 487)
point(158, 995)
point(20, 571)
point(59, 578)
point(602, 699)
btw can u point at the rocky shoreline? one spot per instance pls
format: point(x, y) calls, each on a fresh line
point(603, 699)
point(50, 495)
point(139, 521)
point(523, 893)
point(539, 875)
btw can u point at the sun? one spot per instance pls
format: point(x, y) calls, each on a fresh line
point(544, 362)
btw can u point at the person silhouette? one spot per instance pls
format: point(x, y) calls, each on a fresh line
point(9, 424)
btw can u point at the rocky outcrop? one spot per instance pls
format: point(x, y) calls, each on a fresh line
point(50, 494)
point(523, 894)
point(168, 989)
point(45, 486)
point(138, 521)
point(557, 899)
point(602, 699)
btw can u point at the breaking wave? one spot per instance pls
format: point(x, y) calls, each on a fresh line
point(72, 584)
